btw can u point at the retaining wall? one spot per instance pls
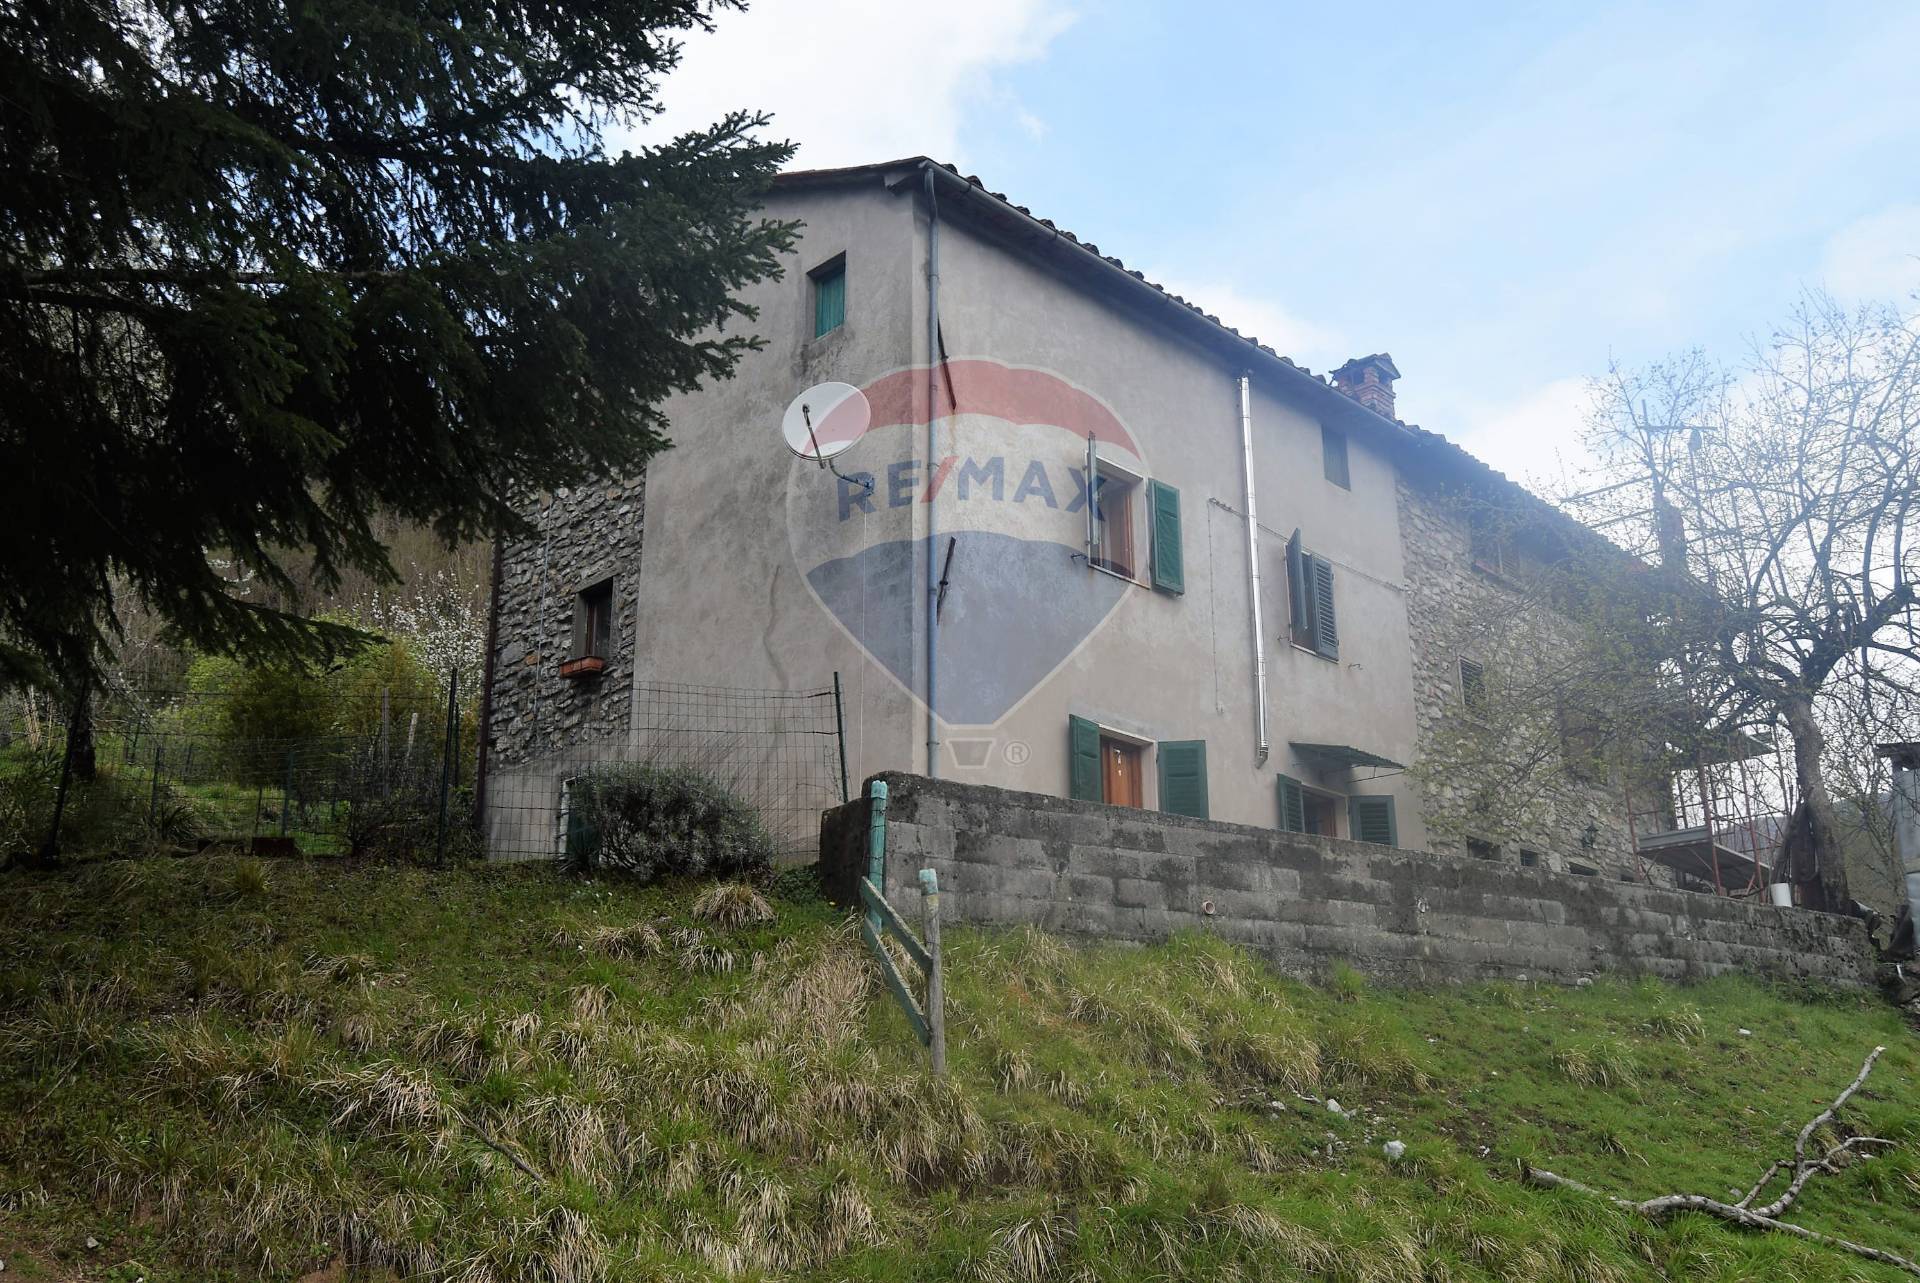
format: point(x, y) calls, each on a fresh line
point(1086, 868)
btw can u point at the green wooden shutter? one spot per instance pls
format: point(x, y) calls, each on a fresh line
point(1183, 777)
point(1326, 630)
point(1169, 570)
point(1297, 590)
point(829, 300)
point(1370, 819)
point(1293, 806)
point(1083, 751)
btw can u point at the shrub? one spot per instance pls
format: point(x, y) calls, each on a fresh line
point(654, 821)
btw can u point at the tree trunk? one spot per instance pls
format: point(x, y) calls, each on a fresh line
point(1819, 866)
point(86, 758)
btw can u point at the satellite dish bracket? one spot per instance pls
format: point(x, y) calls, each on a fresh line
point(864, 480)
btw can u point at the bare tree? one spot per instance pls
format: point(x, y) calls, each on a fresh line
point(1787, 490)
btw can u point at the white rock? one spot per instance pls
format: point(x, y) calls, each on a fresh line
point(1744, 1033)
point(1333, 1106)
point(92, 1242)
point(1583, 982)
point(1394, 1150)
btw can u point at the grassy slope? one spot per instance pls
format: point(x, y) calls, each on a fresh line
point(223, 1074)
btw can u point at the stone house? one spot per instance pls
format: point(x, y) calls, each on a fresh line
point(1073, 536)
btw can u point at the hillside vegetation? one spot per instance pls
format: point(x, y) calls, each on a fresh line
point(218, 1068)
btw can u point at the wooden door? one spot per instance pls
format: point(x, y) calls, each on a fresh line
point(1120, 769)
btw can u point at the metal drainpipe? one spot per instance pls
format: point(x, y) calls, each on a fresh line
point(1261, 748)
point(933, 358)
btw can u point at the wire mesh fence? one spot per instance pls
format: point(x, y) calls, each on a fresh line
point(778, 753)
point(176, 770)
point(399, 775)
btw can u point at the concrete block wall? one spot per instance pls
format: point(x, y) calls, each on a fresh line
point(1085, 868)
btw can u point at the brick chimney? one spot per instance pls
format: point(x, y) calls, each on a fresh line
point(1369, 380)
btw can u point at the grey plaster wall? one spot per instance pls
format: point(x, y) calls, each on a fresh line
point(1163, 667)
point(1008, 858)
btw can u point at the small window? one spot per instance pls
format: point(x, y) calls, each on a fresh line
point(1333, 456)
point(1481, 849)
point(593, 621)
point(1114, 544)
point(1320, 810)
point(1583, 870)
point(1529, 859)
point(1310, 600)
point(1473, 686)
point(829, 295)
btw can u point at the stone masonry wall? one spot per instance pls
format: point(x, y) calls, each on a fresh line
point(1083, 867)
point(580, 537)
point(1448, 598)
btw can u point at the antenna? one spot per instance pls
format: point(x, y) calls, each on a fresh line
point(825, 421)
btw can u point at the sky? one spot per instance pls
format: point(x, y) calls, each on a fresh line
point(1505, 197)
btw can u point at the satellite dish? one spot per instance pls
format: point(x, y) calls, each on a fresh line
point(824, 420)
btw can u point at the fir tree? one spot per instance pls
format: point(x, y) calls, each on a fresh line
point(271, 268)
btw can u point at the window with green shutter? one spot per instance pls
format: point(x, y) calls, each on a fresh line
point(1293, 806)
point(1169, 573)
point(1370, 819)
point(829, 296)
point(1310, 600)
point(1326, 631)
point(1299, 615)
point(1083, 754)
point(1183, 777)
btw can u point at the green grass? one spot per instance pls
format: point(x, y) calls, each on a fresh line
point(225, 1069)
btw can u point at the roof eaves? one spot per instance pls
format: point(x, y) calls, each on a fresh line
point(1317, 388)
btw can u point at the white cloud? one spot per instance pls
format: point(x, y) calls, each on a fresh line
point(1312, 345)
point(1536, 438)
point(854, 81)
point(1876, 257)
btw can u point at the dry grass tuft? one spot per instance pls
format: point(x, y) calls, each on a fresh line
point(701, 955)
point(1030, 1251)
point(732, 904)
point(590, 1001)
point(1679, 1024)
point(384, 1096)
point(1599, 1064)
point(468, 1044)
point(341, 969)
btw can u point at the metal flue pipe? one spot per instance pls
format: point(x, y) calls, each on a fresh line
point(933, 379)
point(1261, 747)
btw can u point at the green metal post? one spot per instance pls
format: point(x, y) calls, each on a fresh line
point(448, 748)
point(840, 733)
point(936, 981)
point(286, 794)
point(876, 844)
point(153, 795)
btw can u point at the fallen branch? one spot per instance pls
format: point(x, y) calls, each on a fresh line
point(480, 1133)
point(1743, 1212)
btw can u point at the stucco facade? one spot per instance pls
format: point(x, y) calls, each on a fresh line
point(763, 569)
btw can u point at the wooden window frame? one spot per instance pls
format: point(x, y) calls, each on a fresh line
point(1133, 486)
point(1332, 802)
point(593, 630)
